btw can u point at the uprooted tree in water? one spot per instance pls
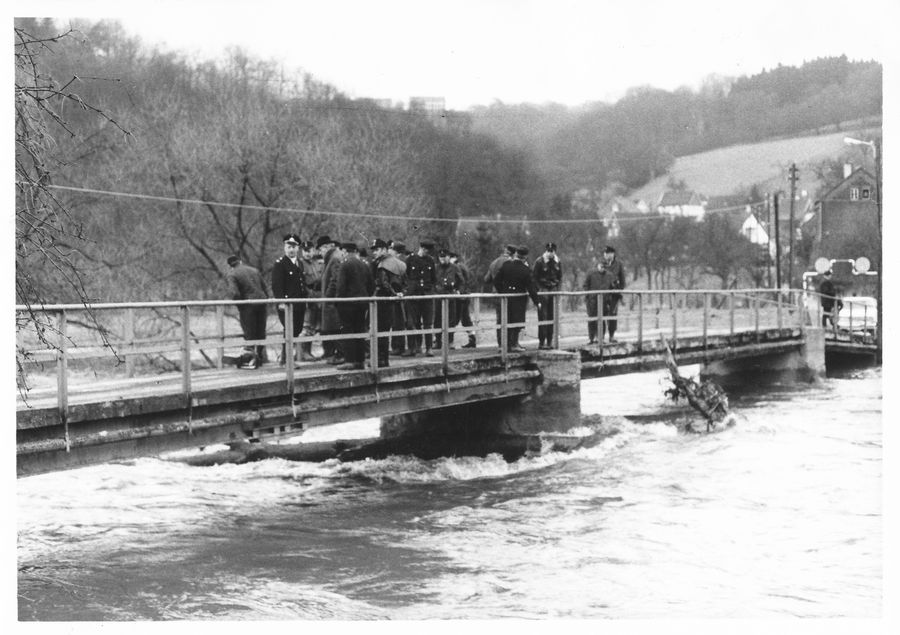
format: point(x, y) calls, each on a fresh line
point(706, 396)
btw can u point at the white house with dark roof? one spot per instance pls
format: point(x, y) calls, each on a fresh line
point(681, 203)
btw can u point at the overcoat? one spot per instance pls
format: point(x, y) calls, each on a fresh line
point(515, 277)
point(331, 322)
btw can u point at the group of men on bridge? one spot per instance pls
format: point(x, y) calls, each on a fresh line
point(333, 269)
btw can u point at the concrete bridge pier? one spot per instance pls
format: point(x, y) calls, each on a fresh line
point(507, 425)
point(806, 364)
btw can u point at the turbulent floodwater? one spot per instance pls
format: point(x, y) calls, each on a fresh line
point(778, 516)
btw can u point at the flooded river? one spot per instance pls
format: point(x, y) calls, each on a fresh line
point(778, 516)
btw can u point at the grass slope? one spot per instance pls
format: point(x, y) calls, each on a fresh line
point(725, 170)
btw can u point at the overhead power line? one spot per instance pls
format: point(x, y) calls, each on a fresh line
point(294, 210)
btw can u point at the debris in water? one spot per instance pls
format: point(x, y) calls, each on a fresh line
point(706, 396)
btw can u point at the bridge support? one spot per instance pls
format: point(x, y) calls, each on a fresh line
point(554, 405)
point(806, 364)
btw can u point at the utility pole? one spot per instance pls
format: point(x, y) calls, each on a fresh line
point(793, 179)
point(777, 242)
point(769, 240)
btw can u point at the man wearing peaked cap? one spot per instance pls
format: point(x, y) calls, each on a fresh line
point(420, 280)
point(331, 321)
point(547, 273)
point(515, 277)
point(289, 283)
point(493, 269)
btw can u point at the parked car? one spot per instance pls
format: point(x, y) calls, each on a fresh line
point(860, 313)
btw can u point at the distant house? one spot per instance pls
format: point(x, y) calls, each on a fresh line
point(847, 218)
point(681, 203)
point(610, 212)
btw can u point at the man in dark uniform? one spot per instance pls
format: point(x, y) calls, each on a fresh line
point(829, 299)
point(354, 280)
point(288, 283)
point(515, 277)
point(448, 280)
point(462, 305)
point(247, 283)
point(420, 280)
point(312, 275)
point(398, 316)
point(547, 274)
point(508, 253)
point(390, 282)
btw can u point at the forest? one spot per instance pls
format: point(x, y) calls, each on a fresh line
point(212, 159)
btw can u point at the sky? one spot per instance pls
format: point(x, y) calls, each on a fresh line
point(478, 52)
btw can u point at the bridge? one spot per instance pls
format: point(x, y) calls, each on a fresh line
point(115, 381)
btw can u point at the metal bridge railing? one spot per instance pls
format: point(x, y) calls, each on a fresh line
point(194, 335)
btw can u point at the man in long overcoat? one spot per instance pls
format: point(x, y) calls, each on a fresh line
point(288, 282)
point(829, 300)
point(515, 277)
point(509, 253)
point(354, 280)
point(609, 276)
point(331, 321)
point(547, 272)
point(448, 279)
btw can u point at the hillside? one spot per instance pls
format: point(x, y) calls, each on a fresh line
point(725, 170)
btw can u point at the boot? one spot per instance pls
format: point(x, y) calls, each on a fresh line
point(306, 352)
point(470, 343)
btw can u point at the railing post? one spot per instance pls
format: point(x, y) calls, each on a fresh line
point(445, 334)
point(62, 387)
point(731, 312)
point(555, 299)
point(778, 308)
point(705, 319)
point(373, 335)
point(186, 351)
point(129, 342)
point(600, 321)
point(640, 333)
point(674, 302)
point(756, 312)
point(476, 319)
point(504, 336)
point(289, 343)
point(220, 331)
point(801, 310)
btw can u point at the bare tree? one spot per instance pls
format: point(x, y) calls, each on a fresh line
point(47, 236)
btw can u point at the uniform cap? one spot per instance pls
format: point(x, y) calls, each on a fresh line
point(522, 251)
point(443, 252)
point(400, 248)
point(379, 244)
point(550, 246)
point(308, 244)
point(323, 240)
point(511, 249)
point(350, 246)
point(427, 243)
point(291, 238)
point(609, 250)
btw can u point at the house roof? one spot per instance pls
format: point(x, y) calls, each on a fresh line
point(860, 171)
point(674, 199)
point(619, 205)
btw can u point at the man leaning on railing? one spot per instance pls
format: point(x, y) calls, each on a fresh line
point(247, 283)
point(829, 301)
